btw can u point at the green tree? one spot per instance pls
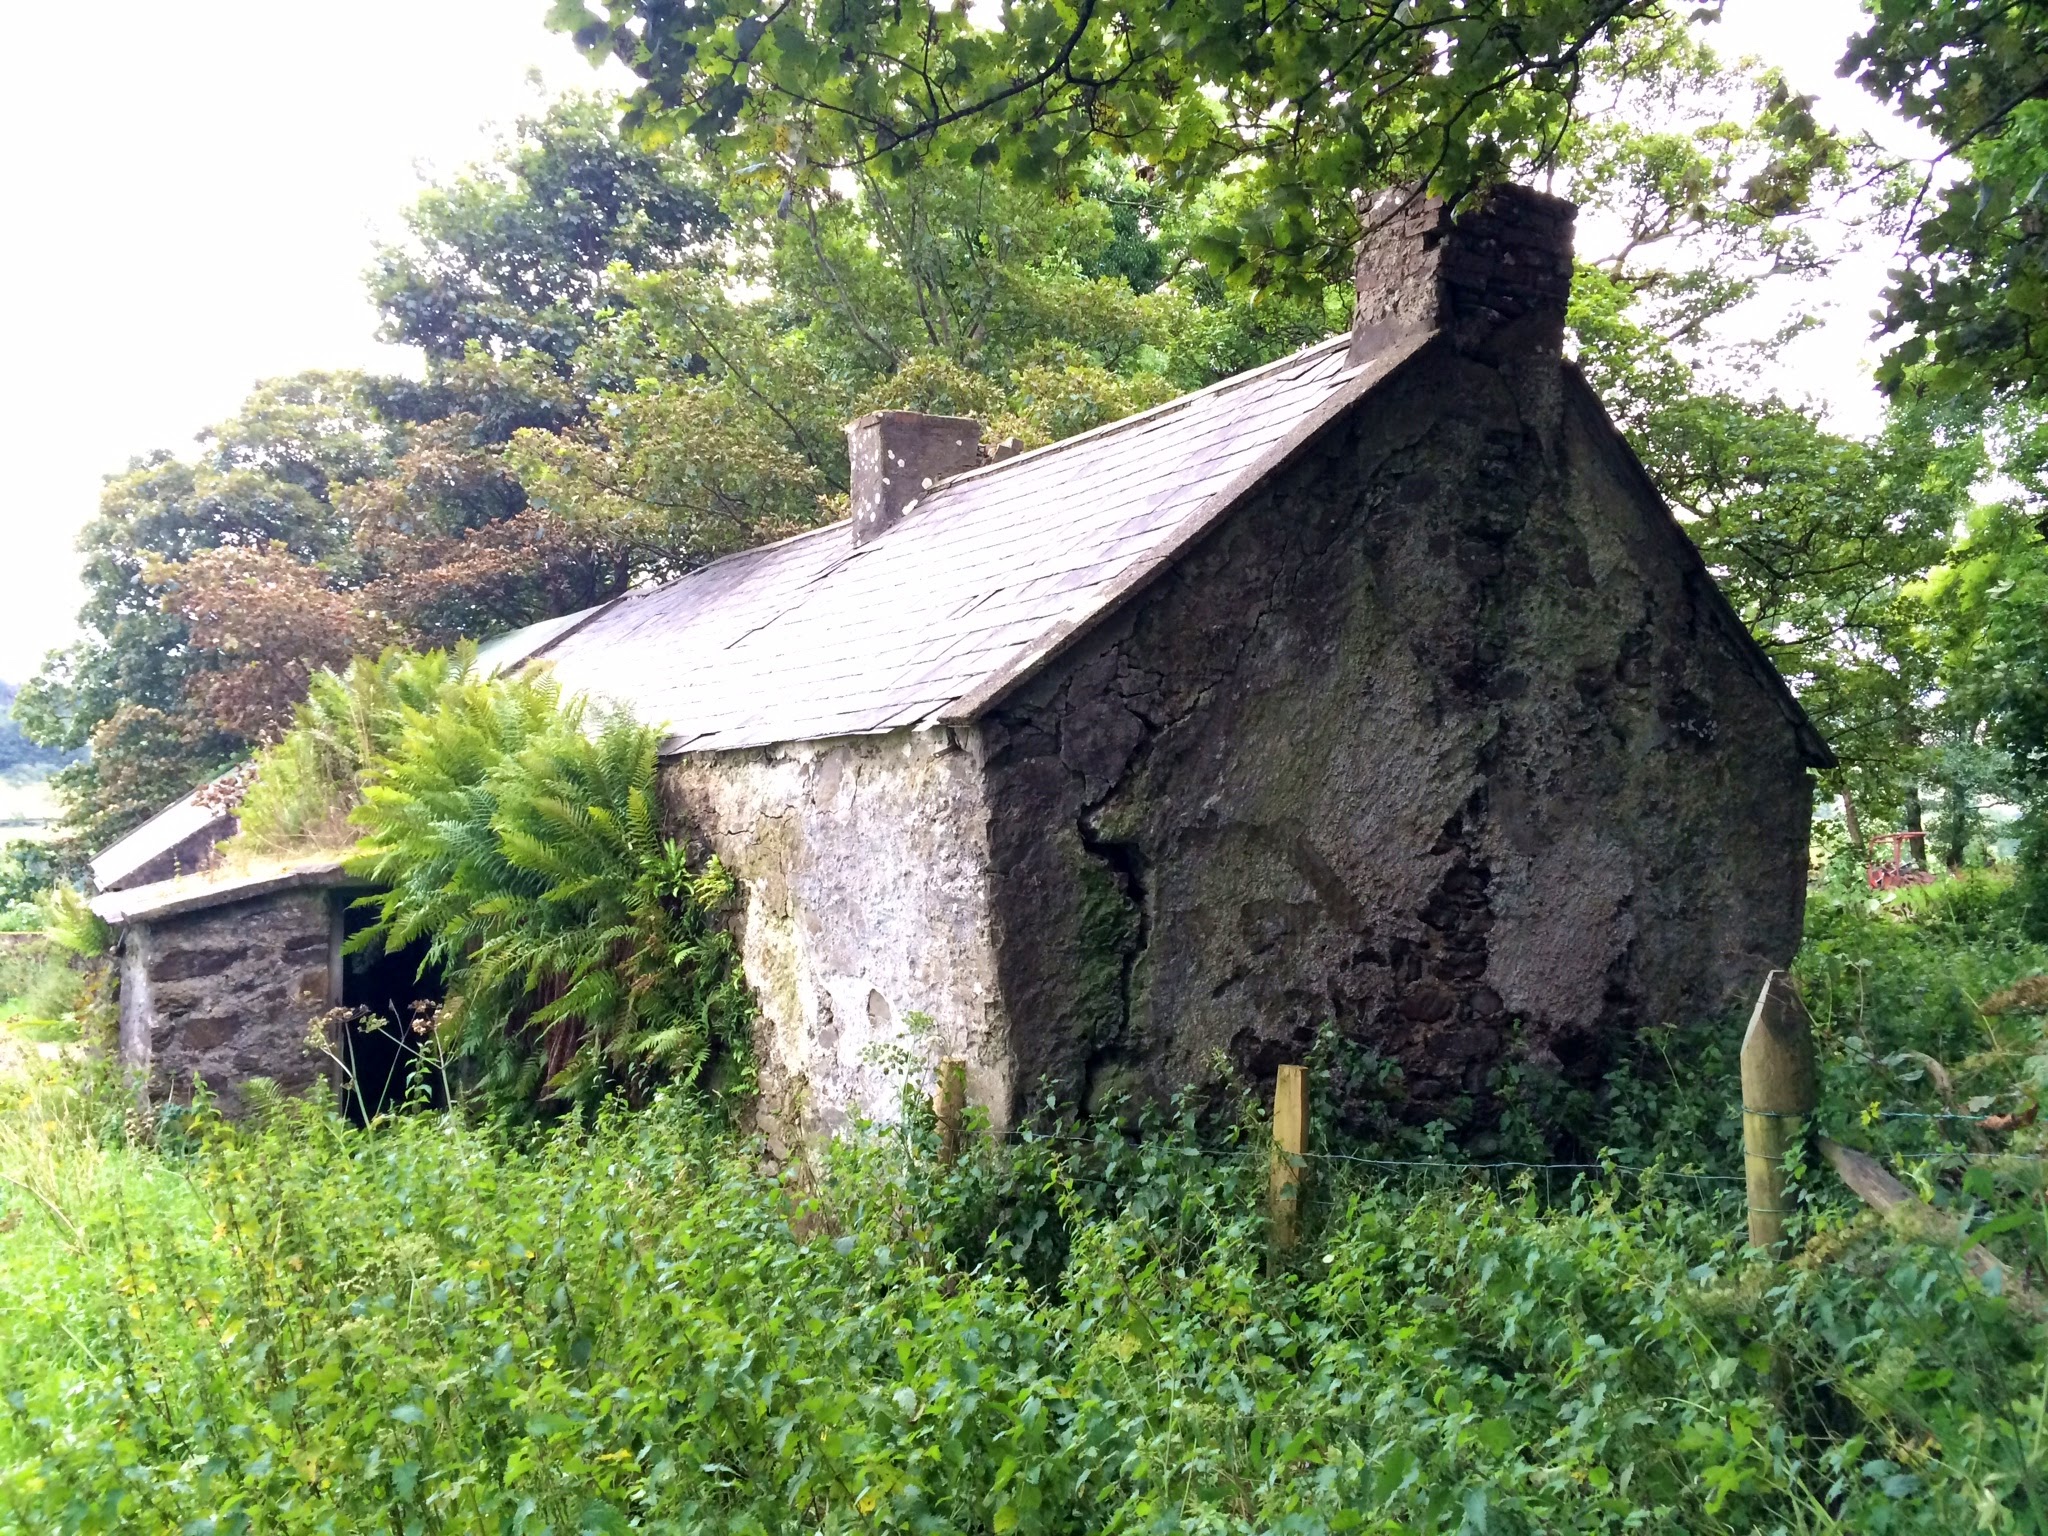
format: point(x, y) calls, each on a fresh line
point(1971, 308)
point(125, 688)
point(1707, 183)
point(1301, 107)
point(19, 756)
point(1988, 617)
point(513, 256)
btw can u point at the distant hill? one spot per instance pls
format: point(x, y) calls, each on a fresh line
point(28, 806)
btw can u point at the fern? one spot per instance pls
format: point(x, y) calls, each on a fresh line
point(521, 839)
point(583, 950)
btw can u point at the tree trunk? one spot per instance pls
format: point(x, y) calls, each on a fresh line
point(1916, 847)
point(1955, 823)
point(1853, 827)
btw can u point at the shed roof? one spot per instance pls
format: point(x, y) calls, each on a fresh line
point(217, 888)
point(204, 813)
point(504, 653)
point(980, 582)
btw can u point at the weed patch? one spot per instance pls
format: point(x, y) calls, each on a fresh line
point(439, 1324)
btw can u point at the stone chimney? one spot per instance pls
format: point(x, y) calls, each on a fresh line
point(896, 454)
point(1494, 279)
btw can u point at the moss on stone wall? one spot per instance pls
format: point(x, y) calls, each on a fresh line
point(1111, 922)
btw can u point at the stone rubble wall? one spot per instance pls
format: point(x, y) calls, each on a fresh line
point(864, 870)
point(1442, 741)
point(227, 994)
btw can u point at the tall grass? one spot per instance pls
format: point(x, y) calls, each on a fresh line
point(445, 1325)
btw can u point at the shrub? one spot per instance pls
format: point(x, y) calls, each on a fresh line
point(431, 1326)
point(27, 870)
point(582, 949)
point(626, 1322)
point(520, 838)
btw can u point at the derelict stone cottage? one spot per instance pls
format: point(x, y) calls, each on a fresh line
point(1374, 690)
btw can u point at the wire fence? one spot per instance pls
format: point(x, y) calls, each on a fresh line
point(1777, 1110)
point(1569, 1173)
point(1405, 1165)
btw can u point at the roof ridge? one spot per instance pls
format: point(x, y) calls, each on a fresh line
point(1349, 387)
point(1135, 419)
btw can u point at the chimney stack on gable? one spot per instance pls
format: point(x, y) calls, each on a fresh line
point(1494, 279)
point(896, 454)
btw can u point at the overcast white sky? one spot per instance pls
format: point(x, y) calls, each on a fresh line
point(195, 196)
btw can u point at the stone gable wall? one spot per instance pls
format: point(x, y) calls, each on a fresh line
point(1442, 741)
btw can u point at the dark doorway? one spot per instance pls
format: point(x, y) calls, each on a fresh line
point(383, 1047)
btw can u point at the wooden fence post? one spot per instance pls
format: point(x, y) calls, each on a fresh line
point(1778, 1087)
point(1289, 1171)
point(950, 1105)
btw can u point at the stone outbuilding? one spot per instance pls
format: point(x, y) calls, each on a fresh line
point(1374, 691)
point(225, 972)
point(222, 977)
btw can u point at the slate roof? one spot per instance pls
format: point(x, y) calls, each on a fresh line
point(189, 826)
point(978, 585)
point(215, 888)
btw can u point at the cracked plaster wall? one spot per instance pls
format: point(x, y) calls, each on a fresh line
point(1441, 739)
point(864, 867)
point(226, 994)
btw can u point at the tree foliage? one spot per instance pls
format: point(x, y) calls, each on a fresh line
point(515, 256)
point(19, 756)
point(626, 377)
point(1302, 106)
point(1704, 185)
point(643, 344)
point(1971, 309)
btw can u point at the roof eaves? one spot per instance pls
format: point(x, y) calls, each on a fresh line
point(1369, 376)
point(196, 893)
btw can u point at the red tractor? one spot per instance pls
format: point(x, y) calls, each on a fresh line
point(1890, 871)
